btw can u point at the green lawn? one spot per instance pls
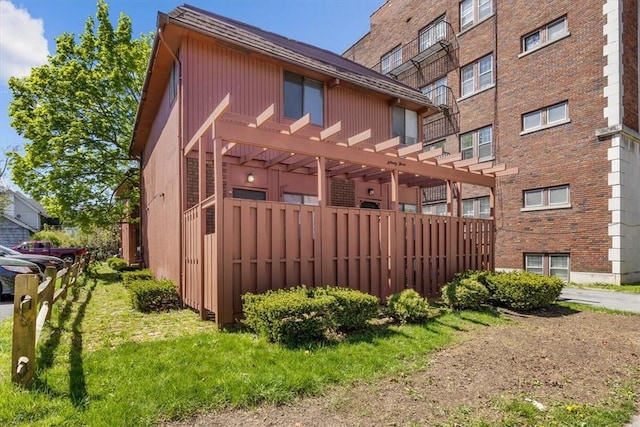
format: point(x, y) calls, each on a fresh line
point(102, 364)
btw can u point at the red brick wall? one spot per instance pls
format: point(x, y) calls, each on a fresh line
point(570, 70)
point(630, 63)
point(343, 193)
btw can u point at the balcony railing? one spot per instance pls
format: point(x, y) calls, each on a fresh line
point(432, 40)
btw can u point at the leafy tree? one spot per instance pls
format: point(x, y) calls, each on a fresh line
point(76, 113)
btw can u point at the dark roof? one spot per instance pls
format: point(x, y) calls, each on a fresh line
point(291, 51)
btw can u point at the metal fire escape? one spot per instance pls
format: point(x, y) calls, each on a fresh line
point(422, 61)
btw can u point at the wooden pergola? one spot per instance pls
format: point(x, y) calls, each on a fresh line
point(296, 148)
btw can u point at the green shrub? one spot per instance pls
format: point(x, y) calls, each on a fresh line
point(130, 276)
point(408, 307)
point(464, 293)
point(354, 308)
point(117, 264)
point(153, 295)
point(291, 316)
point(523, 290)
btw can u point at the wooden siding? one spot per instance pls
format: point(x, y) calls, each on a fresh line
point(270, 245)
point(210, 72)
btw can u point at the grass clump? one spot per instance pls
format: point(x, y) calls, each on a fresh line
point(117, 264)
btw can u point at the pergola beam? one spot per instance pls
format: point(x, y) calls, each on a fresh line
point(390, 143)
point(278, 159)
point(343, 170)
point(431, 154)
point(217, 112)
point(252, 155)
point(357, 139)
point(409, 149)
point(301, 163)
point(230, 131)
point(264, 116)
point(330, 131)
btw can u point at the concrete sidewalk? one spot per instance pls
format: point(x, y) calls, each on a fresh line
point(602, 298)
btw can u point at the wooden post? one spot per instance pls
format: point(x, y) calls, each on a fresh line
point(50, 272)
point(23, 353)
point(319, 270)
point(202, 227)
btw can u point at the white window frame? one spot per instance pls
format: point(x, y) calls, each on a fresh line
point(545, 35)
point(476, 205)
point(432, 33)
point(471, 76)
point(473, 12)
point(300, 199)
point(391, 60)
point(543, 116)
point(476, 141)
point(545, 198)
point(439, 208)
point(437, 91)
point(545, 267)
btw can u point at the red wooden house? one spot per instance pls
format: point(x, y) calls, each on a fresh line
point(269, 163)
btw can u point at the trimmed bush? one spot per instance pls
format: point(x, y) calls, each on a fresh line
point(408, 307)
point(523, 290)
point(291, 316)
point(117, 264)
point(354, 308)
point(464, 294)
point(130, 276)
point(301, 315)
point(153, 295)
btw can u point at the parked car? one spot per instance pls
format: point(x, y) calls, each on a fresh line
point(43, 261)
point(43, 247)
point(10, 268)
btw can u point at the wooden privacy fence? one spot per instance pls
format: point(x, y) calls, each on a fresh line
point(33, 301)
point(272, 245)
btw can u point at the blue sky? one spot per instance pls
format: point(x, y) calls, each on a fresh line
point(28, 29)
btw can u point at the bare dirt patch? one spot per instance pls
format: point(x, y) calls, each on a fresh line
point(553, 356)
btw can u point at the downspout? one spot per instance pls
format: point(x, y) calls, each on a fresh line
point(180, 164)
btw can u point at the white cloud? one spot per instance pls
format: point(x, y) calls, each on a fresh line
point(22, 41)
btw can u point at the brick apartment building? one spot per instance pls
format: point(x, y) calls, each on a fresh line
point(549, 87)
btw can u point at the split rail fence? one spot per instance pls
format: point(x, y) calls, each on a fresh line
point(33, 302)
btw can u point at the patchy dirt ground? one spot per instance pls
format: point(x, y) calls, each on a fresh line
point(560, 356)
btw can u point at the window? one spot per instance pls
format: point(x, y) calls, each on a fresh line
point(173, 82)
point(476, 208)
point(437, 91)
point(547, 34)
point(477, 143)
point(241, 193)
point(548, 265)
point(432, 33)
point(477, 76)
point(552, 197)
point(435, 209)
point(300, 199)
point(405, 125)
point(391, 60)
point(472, 11)
point(301, 96)
point(545, 117)
point(434, 146)
point(407, 207)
